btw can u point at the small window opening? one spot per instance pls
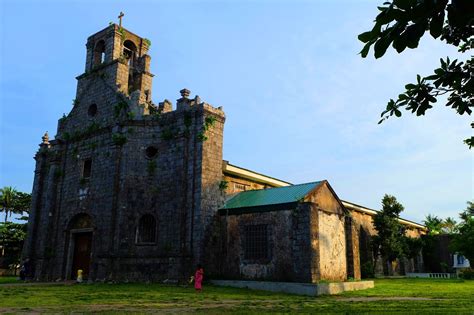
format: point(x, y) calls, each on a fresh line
point(99, 53)
point(147, 95)
point(256, 242)
point(146, 232)
point(129, 52)
point(92, 111)
point(240, 187)
point(151, 152)
point(87, 168)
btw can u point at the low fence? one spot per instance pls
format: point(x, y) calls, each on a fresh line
point(433, 275)
point(9, 272)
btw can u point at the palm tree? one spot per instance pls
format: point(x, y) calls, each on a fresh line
point(468, 213)
point(433, 223)
point(450, 225)
point(7, 199)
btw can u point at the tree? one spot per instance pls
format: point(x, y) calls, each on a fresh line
point(401, 23)
point(413, 247)
point(22, 203)
point(13, 201)
point(12, 236)
point(7, 199)
point(434, 224)
point(390, 238)
point(463, 241)
point(449, 226)
point(468, 213)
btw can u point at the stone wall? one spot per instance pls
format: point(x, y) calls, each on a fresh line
point(289, 247)
point(177, 182)
point(360, 228)
point(327, 235)
point(237, 184)
point(306, 244)
point(332, 247)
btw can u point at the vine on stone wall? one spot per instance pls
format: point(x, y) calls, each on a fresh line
point(223, 185)
point(119, 139)
point(122, 33)
point(78, 134)
point(131, 115)
point(209, 122)
point(119, 108)
point(151, 167)
point(168, 134)
point(62, 119)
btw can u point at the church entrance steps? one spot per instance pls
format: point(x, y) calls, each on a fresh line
point(311, 289)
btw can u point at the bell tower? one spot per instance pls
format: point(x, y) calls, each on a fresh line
point(120, 57)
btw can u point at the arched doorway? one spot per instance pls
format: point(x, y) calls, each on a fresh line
point(80, 245)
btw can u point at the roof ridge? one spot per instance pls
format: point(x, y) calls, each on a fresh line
point(293, 185)
point(271, 188)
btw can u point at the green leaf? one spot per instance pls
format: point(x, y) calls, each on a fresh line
point(376, 29)
point(365, 50)
point(400, 43)
point(366, 36)
point(432, 77)
point(386, 16)
point(381, 46)
point(403, 4)
point(413, 34)
point(398, 113)
point(439, 71)
point(436, 25)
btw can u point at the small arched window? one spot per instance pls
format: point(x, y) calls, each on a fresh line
point(129, 52)
point(146, 231)
point(99, 53)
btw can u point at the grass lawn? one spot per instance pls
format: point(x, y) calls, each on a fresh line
point(406, 296)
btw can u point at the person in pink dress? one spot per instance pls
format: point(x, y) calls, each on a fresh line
point(198, 278)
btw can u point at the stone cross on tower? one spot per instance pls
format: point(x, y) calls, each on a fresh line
point(120, 18)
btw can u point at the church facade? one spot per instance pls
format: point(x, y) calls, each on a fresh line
point(132, 190)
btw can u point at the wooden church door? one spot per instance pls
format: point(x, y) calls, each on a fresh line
point(82, 254)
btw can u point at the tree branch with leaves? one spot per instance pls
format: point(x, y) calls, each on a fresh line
point(402, 23)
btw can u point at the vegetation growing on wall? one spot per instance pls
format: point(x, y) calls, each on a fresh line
point(209, 122)
point(119, 139)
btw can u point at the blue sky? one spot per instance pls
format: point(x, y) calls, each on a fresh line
point(301, 104)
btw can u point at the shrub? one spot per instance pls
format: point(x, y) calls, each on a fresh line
point(367, 270)
point(467, 274)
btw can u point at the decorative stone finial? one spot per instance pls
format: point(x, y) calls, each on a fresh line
point(185, 93)
point(45, 138)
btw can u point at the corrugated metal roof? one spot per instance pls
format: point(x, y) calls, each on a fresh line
point(270, 196)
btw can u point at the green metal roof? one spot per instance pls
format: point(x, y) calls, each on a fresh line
point(269, 196)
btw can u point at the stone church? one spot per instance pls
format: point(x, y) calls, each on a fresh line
point(133, 190)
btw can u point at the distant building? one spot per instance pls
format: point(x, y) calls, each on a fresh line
point(131, 190)
point(460, 262)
